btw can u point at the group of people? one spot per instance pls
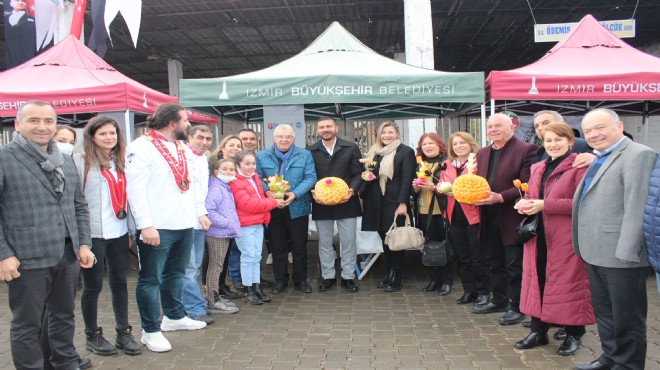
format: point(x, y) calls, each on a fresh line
point(192, 212)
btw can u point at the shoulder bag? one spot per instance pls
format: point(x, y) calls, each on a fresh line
point(404, 237)
point(436, 253)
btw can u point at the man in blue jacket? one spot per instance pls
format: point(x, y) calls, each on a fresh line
point(652, 221)
point(288, 226)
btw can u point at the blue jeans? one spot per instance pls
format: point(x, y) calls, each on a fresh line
point(250, 245)
point(191, 297)
point(234, 265)
point(161, 271)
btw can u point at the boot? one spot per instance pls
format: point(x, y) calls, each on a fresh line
point(395, 282)
point(126, 341)
point(250, 296)
point(386, 281)
point(97, 344)
point(260, 293)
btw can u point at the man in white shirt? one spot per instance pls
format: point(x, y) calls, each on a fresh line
point(166, 203)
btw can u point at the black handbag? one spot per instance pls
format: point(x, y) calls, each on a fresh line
point(436, 253)
point(527, 229)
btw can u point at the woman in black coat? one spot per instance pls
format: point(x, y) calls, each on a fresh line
point(389, 195)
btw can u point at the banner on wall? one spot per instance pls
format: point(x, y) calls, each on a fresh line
point(293, 115)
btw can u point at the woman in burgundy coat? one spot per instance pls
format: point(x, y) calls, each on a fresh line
point(555, 286)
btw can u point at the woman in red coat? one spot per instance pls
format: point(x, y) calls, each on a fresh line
point(555, 286)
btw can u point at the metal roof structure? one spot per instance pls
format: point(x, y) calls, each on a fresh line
point(215, 38)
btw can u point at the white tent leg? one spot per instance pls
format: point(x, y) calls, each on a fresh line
point(483, 121)
point(129, 127)
point(371, 259)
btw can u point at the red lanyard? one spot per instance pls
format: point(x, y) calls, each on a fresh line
point(117, 189)
point(178, 166)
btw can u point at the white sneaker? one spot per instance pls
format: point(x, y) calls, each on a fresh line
point(227, 302)
point(290, 257)
point(220, 307)
point(156, 342)
point(269, 259)
point(186, 323)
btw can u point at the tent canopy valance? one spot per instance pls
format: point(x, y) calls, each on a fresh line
point(338, 75)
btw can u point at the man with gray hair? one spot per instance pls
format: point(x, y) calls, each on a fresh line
point(289, 225)
point(608, 208)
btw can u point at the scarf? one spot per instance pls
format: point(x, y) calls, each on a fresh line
point(51, 161)
point(284, 157)
point(386, 170)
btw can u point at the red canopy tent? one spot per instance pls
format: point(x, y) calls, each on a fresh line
point(74, 79)
point(590, 64)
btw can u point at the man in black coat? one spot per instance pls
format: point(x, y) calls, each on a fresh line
point(335, 157)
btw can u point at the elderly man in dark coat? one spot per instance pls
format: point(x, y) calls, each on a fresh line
point(335, 157)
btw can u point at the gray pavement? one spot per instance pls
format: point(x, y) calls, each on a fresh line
point(340, 330)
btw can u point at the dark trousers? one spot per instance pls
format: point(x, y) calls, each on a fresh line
point(393, 259)
point(161, 273)
point(471, 266)
point(618, 296)
point(436, 231)
point(504, 263)
point(115, 253)
point(45, 291)
point(284, 231)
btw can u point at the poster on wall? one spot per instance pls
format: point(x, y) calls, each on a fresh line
point(29, 28)
point(293, 115)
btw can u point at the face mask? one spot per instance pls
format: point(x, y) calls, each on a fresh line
point(225, 178)
point(65, 148)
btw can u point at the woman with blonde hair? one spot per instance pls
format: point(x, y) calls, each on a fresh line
point(464, 224)
point(387, 197)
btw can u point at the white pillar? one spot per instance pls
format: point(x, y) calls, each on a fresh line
point(126, 121)
point(174, 74)
point(419, 52)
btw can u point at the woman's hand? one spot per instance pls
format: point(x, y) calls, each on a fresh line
point(402, 210)
point(532, 207)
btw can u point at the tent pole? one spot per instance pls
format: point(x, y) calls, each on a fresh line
point(128, 131)
point(222, 123)
point(483, 121)
point(645, 122)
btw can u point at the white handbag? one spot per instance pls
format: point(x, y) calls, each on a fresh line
point(404, 237)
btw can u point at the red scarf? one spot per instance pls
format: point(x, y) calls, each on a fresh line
point(117, 189)
point(179, 166)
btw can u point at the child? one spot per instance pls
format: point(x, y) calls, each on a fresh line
point(253, 209)
point(222, 213)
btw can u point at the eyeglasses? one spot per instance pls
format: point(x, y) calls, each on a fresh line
point(286, 137)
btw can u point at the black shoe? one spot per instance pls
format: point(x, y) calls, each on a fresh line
point(527, 324)
point(431, 286)
point(482, 299)
point(444, 290)
point(386, 281)
point(260, 293)
point(570, 346)
point(266, 283)
point(126, 342)
point(237, 284)
point(560, 334)
point(395, 283)
point(250, 296)
point(511, 317)
point(489, 307)
point(594, 365)
point(349, 285)
point(303, 287)
point(533, 340)
point(95, 343)
point(466, 298)
point(327, 285)
point(226, 293)
point(85, 363)
point(279, 287)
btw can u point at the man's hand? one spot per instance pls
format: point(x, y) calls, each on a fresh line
point(86, 257)
point(583, 160)
point(314, 195)
point(280, 203)
point(150, 236)
point(493, 198)
point(9, 269)
point(206, 223)
point(348, 196)
point(290, 196)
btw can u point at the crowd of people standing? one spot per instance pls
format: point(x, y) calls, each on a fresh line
point(212, 213)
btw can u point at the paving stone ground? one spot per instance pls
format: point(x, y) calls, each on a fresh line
point(340, 330)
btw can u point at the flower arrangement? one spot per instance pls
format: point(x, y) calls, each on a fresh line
point(278, 186)
point(424, 174)
point(521, 186)
point(369, 165)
